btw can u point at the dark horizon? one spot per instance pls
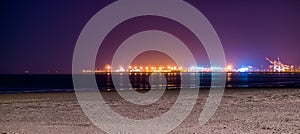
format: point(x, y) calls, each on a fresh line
point(41, 35)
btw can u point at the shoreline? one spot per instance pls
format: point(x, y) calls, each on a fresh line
point(53, 91)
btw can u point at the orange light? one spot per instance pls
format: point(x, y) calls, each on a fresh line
point(229, 67)
point(108, 67)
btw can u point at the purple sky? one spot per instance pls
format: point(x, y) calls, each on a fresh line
point(41, 35)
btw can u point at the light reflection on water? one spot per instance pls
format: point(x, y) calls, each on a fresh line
point(139, 81)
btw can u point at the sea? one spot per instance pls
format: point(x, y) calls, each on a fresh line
point(37, 83)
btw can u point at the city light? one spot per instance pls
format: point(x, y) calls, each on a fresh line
point(276, 66)
point(229, 68)
point(243, 69)
point(169, 68)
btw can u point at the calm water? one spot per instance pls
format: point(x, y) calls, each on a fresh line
point(140, 81)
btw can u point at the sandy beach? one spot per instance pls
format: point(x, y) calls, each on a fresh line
point(241, 111)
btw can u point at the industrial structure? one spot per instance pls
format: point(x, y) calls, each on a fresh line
point(278, 66)
point(168, 69)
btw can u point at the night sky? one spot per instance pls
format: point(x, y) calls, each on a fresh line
point(41, 35)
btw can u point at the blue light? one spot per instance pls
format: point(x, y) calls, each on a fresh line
point(244, 69)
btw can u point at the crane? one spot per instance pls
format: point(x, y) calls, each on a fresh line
point(277, 65)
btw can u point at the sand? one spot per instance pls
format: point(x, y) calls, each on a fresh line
point(241, 111)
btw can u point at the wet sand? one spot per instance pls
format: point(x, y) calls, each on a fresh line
point(241, 111)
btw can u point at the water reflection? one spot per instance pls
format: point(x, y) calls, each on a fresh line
point(233, 78)
point(141, 81)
